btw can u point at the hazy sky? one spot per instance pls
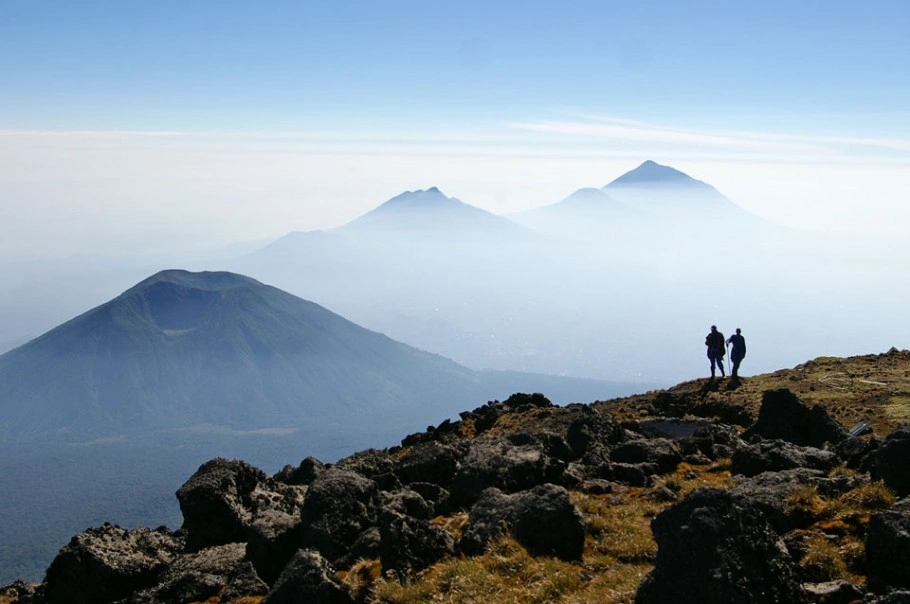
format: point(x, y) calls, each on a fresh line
point(175, 124)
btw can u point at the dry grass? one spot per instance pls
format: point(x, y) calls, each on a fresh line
point(823, 561)
point(870, 497)
point(873, 388)
point(619, 552)
point(619, 547)
point(507, 574)
point(898, 408)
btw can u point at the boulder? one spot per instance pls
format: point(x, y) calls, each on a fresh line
point(224, 498)
point(109, 563)
point(21, 592)
point(858, 453)
point(631, 474)
point(784, 416)
point(591, 434)
point(219, 572)
point(891, 464)
point(888, 549)
point(553, 444)
point(504, 466)
point(305, 472)
point(309, 578)
point(777, 455)
point(770, 493)
point(230, 501)
point(434, 495)
point(430, 462)
point(661, 452)
point(833, 592)
point(367, 463)
point(712, 440)
point(713, 548)
point(543, 520)
point(408, 542)
point(339, 506)
point(366, 547)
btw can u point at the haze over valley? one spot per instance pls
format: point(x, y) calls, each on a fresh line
point(303, 229)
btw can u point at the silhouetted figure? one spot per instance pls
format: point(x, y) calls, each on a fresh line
point(739, 350)
point(716, 350)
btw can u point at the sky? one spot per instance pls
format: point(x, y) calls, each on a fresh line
point(172, 125)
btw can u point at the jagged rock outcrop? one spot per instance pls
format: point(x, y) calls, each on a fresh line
point(504, 466)
point(374, 464)
point(784, 416)
point(23, 593)
point(430, 462)
point(524, 515)
point(591, 437)
point(770, 492)
point(303, 474)
point(714, 548)
point(888, 548)
point(778, 455)
point(408, 541)
point(221, 572)
point(833, 592)
point(109, 563)
point(709, 442)
point(661, 452)
point(339, 506)
point(858, 454)
point(309, 578)
point(892, 465)
point(230, 501)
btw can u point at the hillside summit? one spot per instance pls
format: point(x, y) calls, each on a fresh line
point(711, 491)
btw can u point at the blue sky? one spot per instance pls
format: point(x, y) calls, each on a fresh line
point(317, 111)
point(240, 65)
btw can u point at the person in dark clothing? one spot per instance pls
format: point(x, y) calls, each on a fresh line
point(716, 350)
point(739, 350)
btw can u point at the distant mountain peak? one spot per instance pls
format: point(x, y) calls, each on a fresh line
point(431, 212)
point(419, 197)
point(652, 173)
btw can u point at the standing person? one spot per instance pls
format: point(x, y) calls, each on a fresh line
point(739, 350)
point(716, 350)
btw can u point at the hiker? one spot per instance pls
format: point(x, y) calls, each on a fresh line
point(716, 351)
point(739, 350)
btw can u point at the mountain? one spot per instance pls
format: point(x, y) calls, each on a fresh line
point(651, 173)
point(665, 193)
point(587, 211)
point(181, 349)
point(429, 213)
point(651, 202)
point(184, 349)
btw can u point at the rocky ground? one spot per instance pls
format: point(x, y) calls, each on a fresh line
point(748, 490)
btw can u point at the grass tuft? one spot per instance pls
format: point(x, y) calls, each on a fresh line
point(872, 496)
point(823, 562)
